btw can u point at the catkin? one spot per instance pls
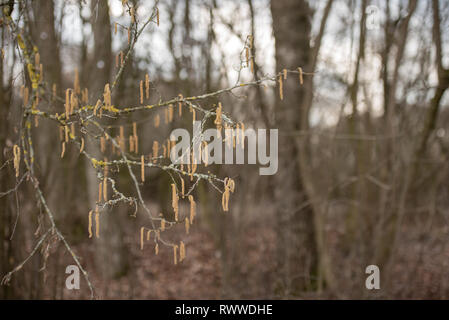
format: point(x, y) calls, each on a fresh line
point(63, 149)
point(107, 95)
point(97, 223)
point(141, 91)
point(115, 28)
point(129, 35)
point(281, 89)
point(192, 209)
point(182, 251)
point(147, 86)
point(131, 143)
point(89, 229)
point(157, 16)
point(180, 104)
point(163, 224)
point(285, 74)
point(155, 150)
point(187, 223)
point(142, 230)
point(76, 83)
point(301, 78)
point(82, 145)
point(175, 256)
point(67, 103)
point(157, 121)
point(170, 112)
point(97, 105)
point(156, 249)
point(16, 152)
point(105, 189)
point(100, 193)
point(175, 201)
point(102, 145)
point(142, 168)
point(182, 187)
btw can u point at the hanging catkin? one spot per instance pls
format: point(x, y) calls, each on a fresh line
point(175, 255)
point(301, 78)
point(63, 150)
point(175, 201)
point(67, 103)
point(157, 121)
point(107, 95)
point(142, 168)
point(82, 145)
point(182, 187)
point(181, 97)
point(182, 251)
point(141, 91)
point(284, 72)
point(142, 230)
point(281, 89)
point(16, 152)
point(170, 112)
point(157, 16)
point(155, 150)
point(89, 229)
point(187, 223)
point(105, 189)
point(162, 224)
point(97, 105)
point(100, 193)
point(147, 86)
point(156, 249)
point(192, 209)
point(97, 223)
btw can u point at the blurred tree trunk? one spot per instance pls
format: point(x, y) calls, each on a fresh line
point(112, 254)
point(297, 248)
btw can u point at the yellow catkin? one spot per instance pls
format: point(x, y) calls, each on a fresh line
point(181, 97)
point(187, 223)
point(107, 95)
point(182, 187)
point(163, 225)
point(175, 201)
point(175, 254)
point(182, 251)
point(37, 59)
point(85, 95)
point(122, 58)
point(147, 86)
point(115, 28)
point(73, 102)
point(252, 64)
point(105, 189)
point(148, 235)
point(100, 193)
point(284, 72)
point(89, 229)
point(63, 150)
point(193, 115)
point(72, 129)
point(97, 105)
point(157, 121)
point(67, 103)
point(142, 168)
point(281, 89)
point(131, 143)
point(122, 138)
point(16, 151)
point(117, 60)
point(129, 36)
point(134, 129)
point(229, 187)
point(156, 249)
point(141, 91)
point(97, 223)
point(301, 77)
point(82, 145)
point(164, 152)
point(170, 112)
point(192, 209)
point(166, 116)
point(133, 15)
point(142, 230)
point(155, 149)
point(157, 16)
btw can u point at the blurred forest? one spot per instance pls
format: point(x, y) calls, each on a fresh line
point(91, 90)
